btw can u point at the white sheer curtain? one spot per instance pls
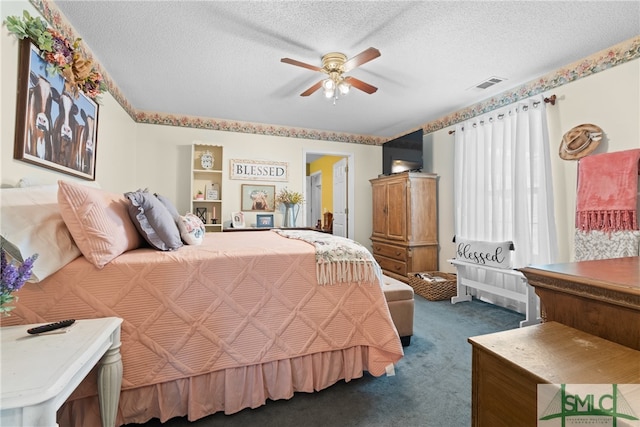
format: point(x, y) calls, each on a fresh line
point(502, 185)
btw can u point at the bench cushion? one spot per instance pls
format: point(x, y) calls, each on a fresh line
point(395, 290)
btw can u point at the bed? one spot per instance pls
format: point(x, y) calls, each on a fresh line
point(224, 325)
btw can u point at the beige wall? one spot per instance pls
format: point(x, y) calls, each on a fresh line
point(164, 151)
point(131, 155)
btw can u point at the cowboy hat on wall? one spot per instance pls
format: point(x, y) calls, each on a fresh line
point(580, 141)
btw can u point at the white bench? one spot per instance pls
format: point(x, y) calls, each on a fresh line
point(527, 296)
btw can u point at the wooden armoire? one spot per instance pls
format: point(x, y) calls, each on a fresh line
point(405, 227)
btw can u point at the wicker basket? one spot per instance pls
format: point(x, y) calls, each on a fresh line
point(434, 290)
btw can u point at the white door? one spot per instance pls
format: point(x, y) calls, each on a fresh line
point(340, 210)
point(314, 192)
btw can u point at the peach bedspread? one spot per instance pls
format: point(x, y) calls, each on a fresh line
point(217, 327)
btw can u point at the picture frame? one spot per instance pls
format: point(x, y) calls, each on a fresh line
point(212, 192)
point(258, 198)
point(264, 220)
point(237, 219)
point(45, 134)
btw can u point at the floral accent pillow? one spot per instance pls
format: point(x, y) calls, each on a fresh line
point(191, 229)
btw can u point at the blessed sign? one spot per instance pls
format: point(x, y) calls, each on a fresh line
point(494, 254)
point(253, 170)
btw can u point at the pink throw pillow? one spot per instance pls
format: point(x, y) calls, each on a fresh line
point(98, 222)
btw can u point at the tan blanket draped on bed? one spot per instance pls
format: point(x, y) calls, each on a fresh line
point(338, 259)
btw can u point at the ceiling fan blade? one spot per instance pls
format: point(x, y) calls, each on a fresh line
point(312, 89)
point(300, 64)
point(359, 84)
point(361, 58)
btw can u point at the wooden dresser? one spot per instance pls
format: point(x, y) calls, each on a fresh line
point(405, 229)
point(600, 297)
point(508, 366)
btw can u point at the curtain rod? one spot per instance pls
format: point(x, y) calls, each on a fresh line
point(550, 100)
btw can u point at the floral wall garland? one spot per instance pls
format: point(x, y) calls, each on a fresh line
point(63, 56)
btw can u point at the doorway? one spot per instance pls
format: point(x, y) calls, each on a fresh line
point(347, 194)
point(314, 201)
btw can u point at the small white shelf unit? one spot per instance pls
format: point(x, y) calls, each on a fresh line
point(208, 208)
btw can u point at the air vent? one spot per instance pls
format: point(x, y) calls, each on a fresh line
point(489, 82)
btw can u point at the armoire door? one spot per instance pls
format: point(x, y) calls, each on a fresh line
point(397, 210)
point(379, 196)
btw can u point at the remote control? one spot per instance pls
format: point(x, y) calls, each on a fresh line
point(51, 326)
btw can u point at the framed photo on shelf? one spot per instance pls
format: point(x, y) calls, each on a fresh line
point(264, 220)
point(54, 129)
point(237, 219)
point(212, 192)
point(258, 198)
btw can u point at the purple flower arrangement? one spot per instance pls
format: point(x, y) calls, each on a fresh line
point(12, 278)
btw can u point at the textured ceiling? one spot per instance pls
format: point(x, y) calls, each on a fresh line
point(221, 59)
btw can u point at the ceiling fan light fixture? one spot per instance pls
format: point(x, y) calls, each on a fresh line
point(328, 85)
point(343, 88)
point(335, 64)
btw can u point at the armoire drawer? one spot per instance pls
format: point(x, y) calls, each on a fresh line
point(398, 267)
point(390, 251)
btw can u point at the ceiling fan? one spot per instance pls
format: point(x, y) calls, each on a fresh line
point(335, 64)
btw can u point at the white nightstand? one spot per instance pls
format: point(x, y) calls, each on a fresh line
point(39, 372)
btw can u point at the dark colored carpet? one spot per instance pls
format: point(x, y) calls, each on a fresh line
point(432, 385)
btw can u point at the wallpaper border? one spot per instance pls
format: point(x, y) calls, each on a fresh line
point(605, 59)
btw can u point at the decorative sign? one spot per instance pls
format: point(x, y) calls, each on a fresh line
point(254, 170)
point(212, 192)
point(494, 254)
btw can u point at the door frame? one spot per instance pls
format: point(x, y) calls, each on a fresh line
point(350, 183)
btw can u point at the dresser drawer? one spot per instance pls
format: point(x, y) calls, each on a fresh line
point(390, 251)
point(395, 266)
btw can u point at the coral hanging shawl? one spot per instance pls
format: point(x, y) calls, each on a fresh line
point(608, 191)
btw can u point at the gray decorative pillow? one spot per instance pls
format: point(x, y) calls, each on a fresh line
point(170, 207)
point(153, 220)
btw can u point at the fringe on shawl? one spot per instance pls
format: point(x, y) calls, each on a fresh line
point(338, 259)
point(329, 273)
point(607, 220)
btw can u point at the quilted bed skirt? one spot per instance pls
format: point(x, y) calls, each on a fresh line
point(206, 394)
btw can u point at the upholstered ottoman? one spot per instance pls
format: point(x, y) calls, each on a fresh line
point(399, 298)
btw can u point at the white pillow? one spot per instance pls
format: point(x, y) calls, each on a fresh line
point(191, 229)
point(31, 224)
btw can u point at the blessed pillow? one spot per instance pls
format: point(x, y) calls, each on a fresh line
point(30, 223)
point(191, 229)
point(153, 220)
point(493, 254)
point(98, 221)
